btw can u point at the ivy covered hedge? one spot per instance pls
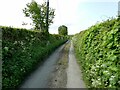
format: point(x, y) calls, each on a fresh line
point(22, 50)
point(98, 52)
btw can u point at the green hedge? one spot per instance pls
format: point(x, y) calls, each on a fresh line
point(22, 50)
point(98, 52)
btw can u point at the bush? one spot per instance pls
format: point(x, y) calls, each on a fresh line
point(98, 51)
point(22, 50)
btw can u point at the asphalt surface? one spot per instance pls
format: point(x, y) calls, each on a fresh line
point(40, 78)
point(74, 76)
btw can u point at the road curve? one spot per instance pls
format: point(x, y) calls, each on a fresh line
point(41, 77)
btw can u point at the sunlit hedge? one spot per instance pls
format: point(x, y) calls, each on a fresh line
point(98, 52)
point(22, 51)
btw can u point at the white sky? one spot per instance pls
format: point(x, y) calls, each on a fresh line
point(77, 15)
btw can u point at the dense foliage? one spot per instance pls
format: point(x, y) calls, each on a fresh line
point(98, 52)
point(63, 30)
point(37, 13)
point(22, 51)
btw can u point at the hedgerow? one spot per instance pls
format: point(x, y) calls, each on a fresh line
point(98, 52)
point(22, 51)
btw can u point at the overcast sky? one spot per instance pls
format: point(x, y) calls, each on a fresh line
point(77, 15)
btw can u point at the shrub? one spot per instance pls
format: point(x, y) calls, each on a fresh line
point(98, 51)
point(22, 50)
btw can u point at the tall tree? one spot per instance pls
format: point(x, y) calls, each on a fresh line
point(37, 13)
point(63, 30)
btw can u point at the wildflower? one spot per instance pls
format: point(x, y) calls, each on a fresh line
point(6, 48)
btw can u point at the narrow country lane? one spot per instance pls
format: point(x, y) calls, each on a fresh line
point(60, 70)
point(40, 78)
point(74, 76)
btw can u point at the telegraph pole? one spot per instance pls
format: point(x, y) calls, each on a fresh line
point(47, 16)
point(119, 8)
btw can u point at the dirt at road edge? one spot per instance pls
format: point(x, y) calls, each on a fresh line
point(59, 76)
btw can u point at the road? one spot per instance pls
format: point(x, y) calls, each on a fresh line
point(45, 74)
point(74, 76)
point(40, 78)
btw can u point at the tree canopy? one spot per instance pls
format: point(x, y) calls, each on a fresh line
point(63, 30)
point(37, 13)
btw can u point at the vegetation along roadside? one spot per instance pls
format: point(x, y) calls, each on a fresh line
point(22, 51)
point(98, 53)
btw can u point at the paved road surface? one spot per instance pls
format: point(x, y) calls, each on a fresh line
point(74, 78)
point(40, 78)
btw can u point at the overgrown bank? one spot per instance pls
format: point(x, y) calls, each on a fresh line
point(22, 50)
point(98, 52)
